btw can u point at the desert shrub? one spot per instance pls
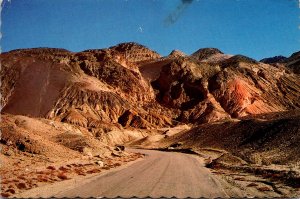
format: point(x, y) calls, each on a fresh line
point(42, 178)
point(22, 185)
point(252, 185)
point(73, 141)
point(240, 179)
point(5, 181)
point(93, 171)
point(117, 164)
point(63, 168)
point(5, 195)
point(12, 191)
point(51, 168)
point(62, 176)
point(264, 189)
point(21, 177)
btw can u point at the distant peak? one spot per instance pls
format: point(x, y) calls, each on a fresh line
point(177, 53)
point(204, 53)
point(129, 45)
point(271, 60)
point(295, 55)
point(240, 58)
point(209, 50)
point(40, 49)
point(135, 52)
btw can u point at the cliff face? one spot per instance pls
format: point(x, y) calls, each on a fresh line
point(231, 87)
point(255, 88)
point(131, 85)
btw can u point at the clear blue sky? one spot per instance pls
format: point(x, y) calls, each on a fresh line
point(255, 28)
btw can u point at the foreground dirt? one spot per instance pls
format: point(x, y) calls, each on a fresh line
point(266, 182)
point(36, 152)
point(20, 179)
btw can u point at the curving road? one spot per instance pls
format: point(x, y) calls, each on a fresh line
point(158, 174)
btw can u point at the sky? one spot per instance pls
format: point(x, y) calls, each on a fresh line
point(254, 28)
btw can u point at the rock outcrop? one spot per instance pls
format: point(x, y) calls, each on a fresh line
point(132, 86)
point(292, 62)
point(205, 53)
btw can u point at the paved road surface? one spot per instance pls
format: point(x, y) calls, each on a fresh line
point(158, 174)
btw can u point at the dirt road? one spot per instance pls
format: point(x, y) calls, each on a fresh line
point(159, 174)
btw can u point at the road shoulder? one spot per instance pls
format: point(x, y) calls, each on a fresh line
point(55, 188)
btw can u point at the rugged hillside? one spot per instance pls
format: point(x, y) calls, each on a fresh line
point(203, 91)
point(131, 85)
point(36, 152)
point(292, 62)
point(80, 88)
point(265, 139)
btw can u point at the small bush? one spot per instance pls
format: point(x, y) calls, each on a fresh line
point(93, 171)
point(252, 185)
point(51, 168)
point(117, 164)
point(78, 170)
point(11, 186)
point(5, 195)
point(240, 179)
point(264, 189)
point(39, 172)
point(42, 179)
point(22, 185)
point(62, 176)
point(63, 168)
point(12, 191)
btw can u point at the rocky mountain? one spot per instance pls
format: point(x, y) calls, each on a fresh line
point(272, 60)
point(80, 88)
point(131, 85)
point(292, 62)
point(205, 53)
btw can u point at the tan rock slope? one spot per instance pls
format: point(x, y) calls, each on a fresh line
point(79, 88)
point(131, 85)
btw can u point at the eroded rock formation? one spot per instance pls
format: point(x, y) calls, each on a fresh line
point(133, 86)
